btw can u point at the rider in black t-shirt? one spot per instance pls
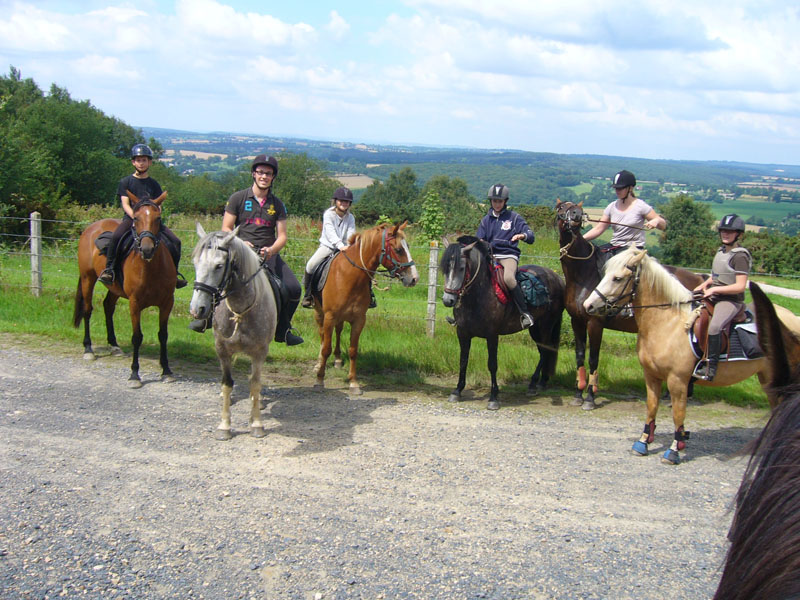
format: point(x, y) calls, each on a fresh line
point(141, 185)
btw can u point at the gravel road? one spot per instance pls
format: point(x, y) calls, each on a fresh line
point(108, 492)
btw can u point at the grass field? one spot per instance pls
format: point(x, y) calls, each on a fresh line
point(395, 349)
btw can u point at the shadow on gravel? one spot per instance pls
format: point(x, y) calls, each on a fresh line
point(322, 420)
point(724, 444)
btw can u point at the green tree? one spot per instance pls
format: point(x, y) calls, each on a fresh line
point(432, 218)
point(690, 239)
point(461, 211)
point(397, 199)
point(304, 185)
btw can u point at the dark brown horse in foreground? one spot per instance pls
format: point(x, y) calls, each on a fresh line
point(581, 263)
point(148, 279)
point(763, 561)
point(346, 294)
point(468, 287)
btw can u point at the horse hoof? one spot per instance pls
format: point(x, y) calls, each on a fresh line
point(168, 378)
point(337, 364)
point(319, 385)
point(671, 457)
point(223, 435)
point(454, 397)
point(588, 405)
point(639, 448)
point(89, 356)
point(533, 391)
point(493, 405)
point(134, 384)
point(577, 401)
point(256, 432)
point(117, 351)
point(355, 391)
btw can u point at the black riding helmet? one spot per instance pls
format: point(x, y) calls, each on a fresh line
point(732, 222)
point(141, 150)
point(343, 193)
point(498, 192)
point(263, 159)
point(623, 179)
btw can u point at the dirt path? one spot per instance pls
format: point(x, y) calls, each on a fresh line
point(113, 493)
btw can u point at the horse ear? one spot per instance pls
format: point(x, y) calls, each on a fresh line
point(227, 239)
point(638, 257)
point(445, 241)
point(160, 199)
point(558, 202)
point(580, 204)
point(132, 197)
point(772, 336)
point(201, 233)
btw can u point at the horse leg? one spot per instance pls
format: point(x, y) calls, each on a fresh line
point(678, 390)
point(653, 392)
point(163, 334)
point(83, 309)
point(324, 351)
point(464, 342)
point(256, 426)
point(337, 350)
point(491, 346)
point(579, 332)
point(356, 326)
point(595, 341)
point(109, 306)
point(134, 381)
point(224, 428)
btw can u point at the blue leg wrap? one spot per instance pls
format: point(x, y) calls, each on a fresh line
point(640, 448)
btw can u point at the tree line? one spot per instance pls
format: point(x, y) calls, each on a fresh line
point(63, 158)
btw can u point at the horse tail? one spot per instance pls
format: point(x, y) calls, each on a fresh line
point(79, 311)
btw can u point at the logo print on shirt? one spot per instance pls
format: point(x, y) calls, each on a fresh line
point(505, 225)
point(248, 205)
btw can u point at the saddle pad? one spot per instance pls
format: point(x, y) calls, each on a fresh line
point(742, 344)
point(536, 293)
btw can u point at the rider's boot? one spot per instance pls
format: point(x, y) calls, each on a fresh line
point(283, 330)
point(107, 276)
point(708, 370)
point(519, 300)
point(372, 301)
point(308, 300)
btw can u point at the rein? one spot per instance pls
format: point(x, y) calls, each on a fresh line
point(386, 251)
point(612, 306)
point(470, 280)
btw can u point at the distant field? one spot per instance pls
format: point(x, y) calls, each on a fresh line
point(355, 182)
point(195, 153)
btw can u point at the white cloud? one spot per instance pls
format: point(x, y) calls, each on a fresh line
point(337, 26)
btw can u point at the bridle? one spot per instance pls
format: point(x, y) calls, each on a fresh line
point(223, 289)
point(138, 237)
point(395, 267)
point(612, 306)
point(573, 217)
point(468, 279)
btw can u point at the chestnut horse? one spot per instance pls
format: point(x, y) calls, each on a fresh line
point(148, 279)
point(662, 309)
point(346, 294)
point(580, 262)
point(763, 560)
point(469, 289)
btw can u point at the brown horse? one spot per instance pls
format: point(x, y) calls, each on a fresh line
point(763, 560)
point(148, 279)
point(346, 294)
point(662, 309)
point(581, 263)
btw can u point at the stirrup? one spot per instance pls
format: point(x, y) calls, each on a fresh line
point(307, 302)
point(107, 276)
point(451, 320)
point(526, 320)
point(372, 301)
point(701, 371)
point(181, 281)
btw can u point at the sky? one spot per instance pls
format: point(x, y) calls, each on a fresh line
point(685, 79)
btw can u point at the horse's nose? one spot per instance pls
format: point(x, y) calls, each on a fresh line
point(448, 300)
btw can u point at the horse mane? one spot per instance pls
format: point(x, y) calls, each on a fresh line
point(464, 240)
point(652, 275)
point(763, 561)
point(242, 256)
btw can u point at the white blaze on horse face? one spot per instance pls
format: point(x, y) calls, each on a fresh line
point(410, 276)
point(610, 287)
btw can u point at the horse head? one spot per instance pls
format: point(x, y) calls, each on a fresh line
point(569, 216)
point(618, 285)
point(396, 255)
point(214, 268)
point(460, 265)
point(146, 223)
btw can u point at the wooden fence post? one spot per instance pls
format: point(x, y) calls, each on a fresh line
point(36, 254)
point(433, 275)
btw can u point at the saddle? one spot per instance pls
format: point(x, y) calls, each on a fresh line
point(738, 342)
point(320, 275)
point(535, 291)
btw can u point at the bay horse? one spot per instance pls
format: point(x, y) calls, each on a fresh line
point(662, 309)
point(467, 267)
point(763, 560)
point(581, 264)
point(345, 297)
point(148, 279)
point(230, 281)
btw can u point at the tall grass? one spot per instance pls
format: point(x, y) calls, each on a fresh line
point(394, 350)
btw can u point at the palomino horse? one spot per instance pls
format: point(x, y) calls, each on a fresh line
point(229, 277)
point(662, 308)
point(469, 289)
point(346, 294)
point(148, 279)
point(582, 272)
point(763, 561)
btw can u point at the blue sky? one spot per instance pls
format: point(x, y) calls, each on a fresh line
point(710, 80)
